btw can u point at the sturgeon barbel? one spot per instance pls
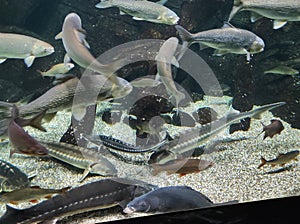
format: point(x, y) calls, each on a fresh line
point(19, 46)
point(194, 137)
point(143, 10)
point(227, 39)
point(76, 46)
point(97, 195)
point(280, 11)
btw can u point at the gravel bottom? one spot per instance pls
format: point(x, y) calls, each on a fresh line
point(234, 175)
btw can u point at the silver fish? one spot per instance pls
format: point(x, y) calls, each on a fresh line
point(87, 159)
point(280, 11)
point(76, 46)
point(22, 47)
point(164, 59)
point(282, 70)
point(57, 69)
point(225, 40)
point(281, 159)
point(194, 137)
point(143, 10)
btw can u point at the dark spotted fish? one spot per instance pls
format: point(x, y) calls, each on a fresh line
point(97, 195)
point(31, 194)
point(281, 159)
point(11, 177)
point(167, 199)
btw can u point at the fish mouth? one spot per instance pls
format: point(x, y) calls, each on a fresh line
point(129, 210)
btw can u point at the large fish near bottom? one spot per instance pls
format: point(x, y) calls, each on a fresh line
point(281, 11)
point(192, 138)
point(143, 10)
point(97, 195)
point(227, 39)
point(19, 46)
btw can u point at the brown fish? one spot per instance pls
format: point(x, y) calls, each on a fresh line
point(272, 129)
point(281, 159)
point(182, 166)
point(31, 194)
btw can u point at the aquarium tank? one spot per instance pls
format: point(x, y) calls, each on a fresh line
point(115, 110)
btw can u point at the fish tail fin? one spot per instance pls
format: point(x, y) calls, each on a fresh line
point(263, 162)
point(104, 4)
point(35, 122)
point(185, 35)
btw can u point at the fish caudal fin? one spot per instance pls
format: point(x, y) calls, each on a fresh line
point(263, 162)
point(185, 35)
point(104, 4)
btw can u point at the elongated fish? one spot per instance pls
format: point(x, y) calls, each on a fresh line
point(97, 195)
point(73, 37)
point(61, 96)
point(87, 159)
point(225, 40)
point(281, 159)
point(282, 70)
point(167, 199)
point(22, 47)
point(57, 69)
point(11, 177)
point(163, 59)
point(181, 166)
point(31, 194)
point(194, 137)
point(143, 10)
point(280, 11)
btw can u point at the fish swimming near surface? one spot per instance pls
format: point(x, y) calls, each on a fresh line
point(97, 195)
point(227, 39)
point(281, 11)
point(58, 69)
point(276, 127)
point(29, 194)
point(281, 159)
point(167, 199)
point(282, 70)
point(87, 159)
point(143, 10)
point(11, 177)
point(181, 166)
point(164, 60)
point(76, 46)
point(192, 138)
point(19, 46)
point(21, 142)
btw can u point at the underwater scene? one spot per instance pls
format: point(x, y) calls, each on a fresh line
point(116, 109)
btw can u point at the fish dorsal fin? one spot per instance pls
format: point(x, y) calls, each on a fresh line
point(137, 18)
point(2, 60)
point(161, 2)
point(277, 24)
point(227, 25)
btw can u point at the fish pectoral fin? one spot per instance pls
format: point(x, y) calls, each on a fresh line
point(103, 5)
point(137, 18)
point(254, 17)
point(82, 36)
point(122, 13)
point(277, 24)
point(2, 60)
point(220, 52)
point(29, 60)
point(202, 46)
point(161, 2)
point(67, 59)
point(175, 62)
point(84, 175)
point(58, 36)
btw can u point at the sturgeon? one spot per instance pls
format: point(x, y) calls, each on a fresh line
point(194, 137)
point(97, 195)
point(89, 160)
point(19, 46)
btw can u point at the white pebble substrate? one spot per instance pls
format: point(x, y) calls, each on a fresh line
point(234, 175)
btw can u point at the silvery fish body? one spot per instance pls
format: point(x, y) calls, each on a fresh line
point(225, 40)
point(143, 10)
point(97, 195)
point(11, 177)
point(279, 10)
point(22, 47)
